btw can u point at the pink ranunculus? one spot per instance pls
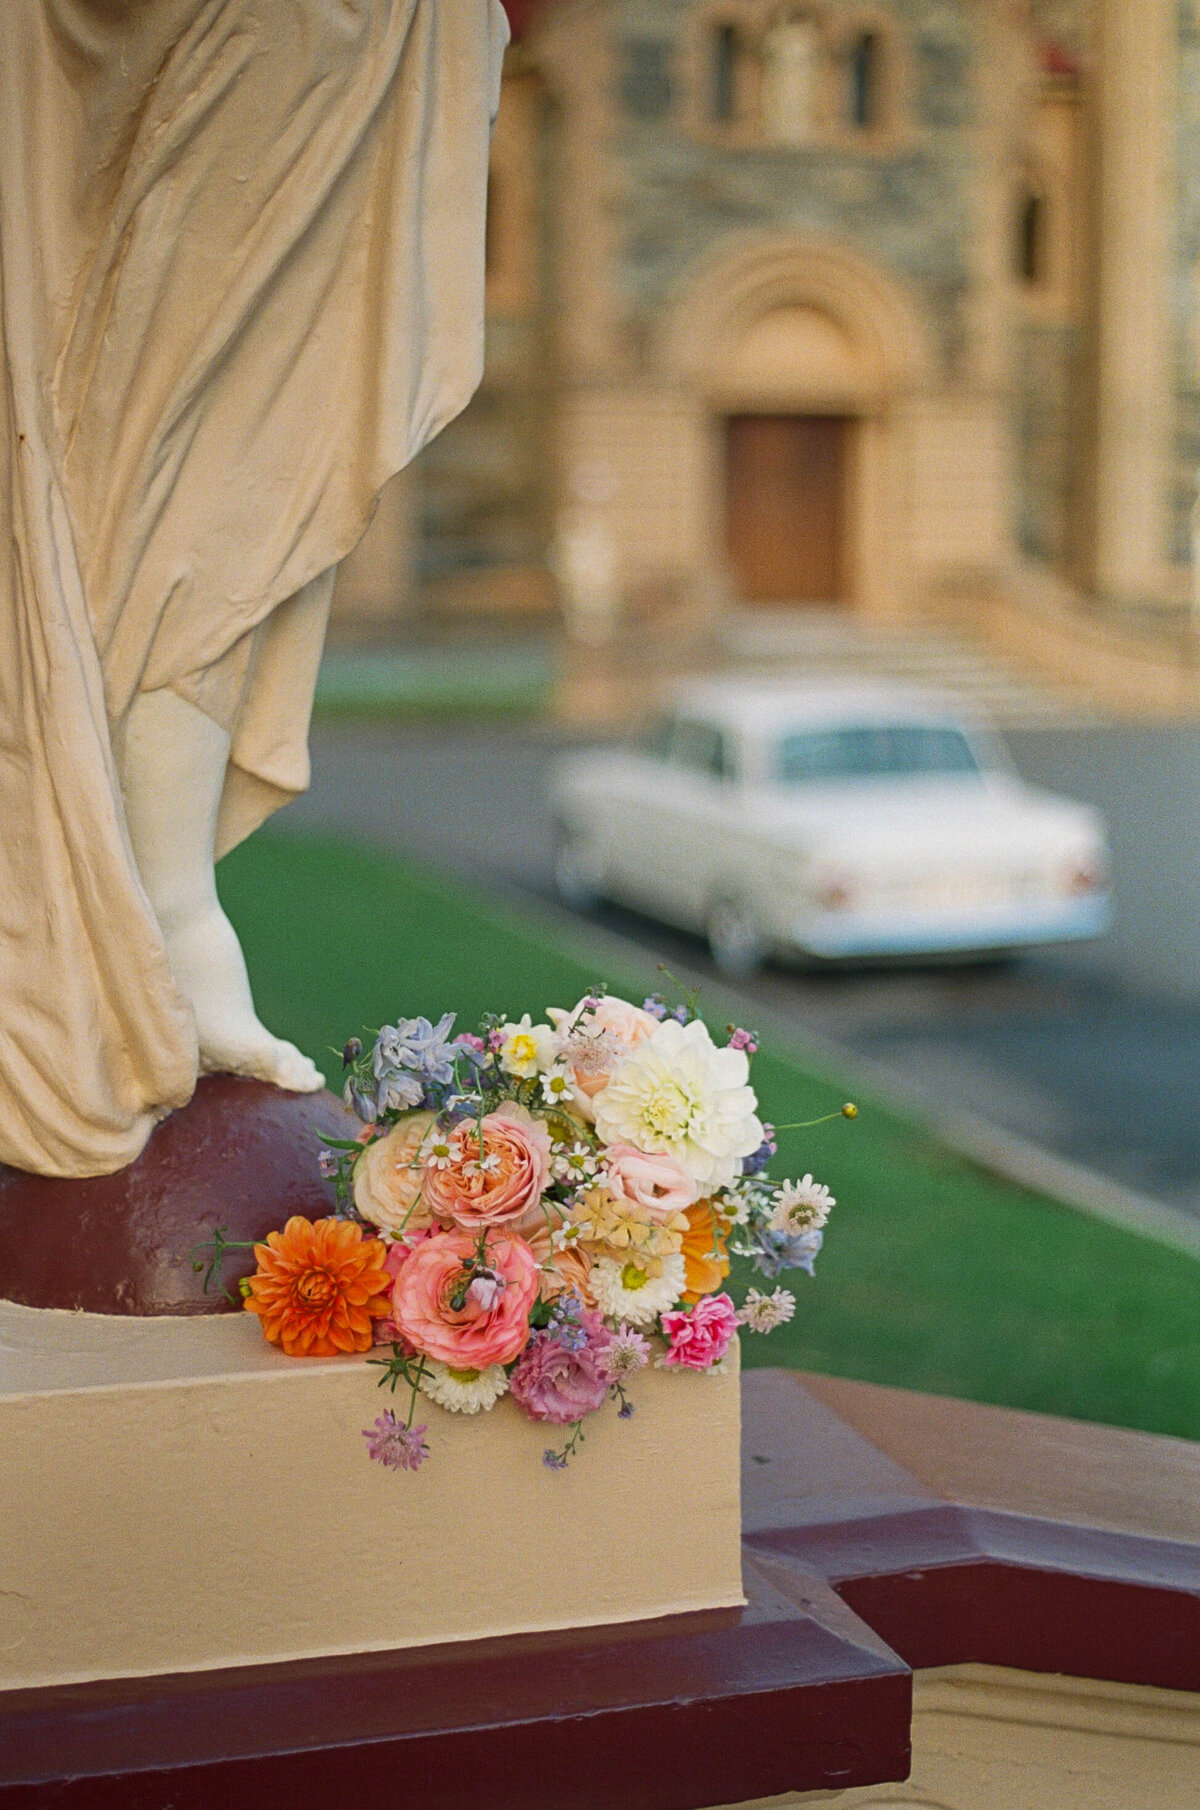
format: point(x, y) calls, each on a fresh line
point(497, 1170)
point(700, 1337)
point(436, 1309)
point(594, 1038)
point(655, 1181)
point(386, 1331)
point(555, 1384)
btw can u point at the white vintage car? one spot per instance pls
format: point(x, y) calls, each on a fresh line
point(828, 821)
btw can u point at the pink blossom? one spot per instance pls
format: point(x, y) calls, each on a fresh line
point(649, 1179)
point(433, 1307)
point(554, 1383)
point(387, 1332)
point(390, 1442)
point(700, 1337)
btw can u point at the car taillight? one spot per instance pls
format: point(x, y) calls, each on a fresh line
point(1084, 877)
point(835, 893)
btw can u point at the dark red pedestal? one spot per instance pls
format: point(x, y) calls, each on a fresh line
point(242, 1156)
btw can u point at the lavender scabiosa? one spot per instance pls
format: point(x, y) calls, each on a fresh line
point(627, 1353)
point(801, 1206)
point(391, 1443)
point(763, 1313)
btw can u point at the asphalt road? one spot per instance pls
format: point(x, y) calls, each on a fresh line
point(1094, 1055)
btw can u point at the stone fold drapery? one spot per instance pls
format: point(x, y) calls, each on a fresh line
point(241, 284)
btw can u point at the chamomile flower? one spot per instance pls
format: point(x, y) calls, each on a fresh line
point(801, 1206)
point(573, 1164)
point(439, 1152)
point(464, 1391)
point(763, 1313)
point(627, 1291)
point(558, 1089)
point(735, 1203)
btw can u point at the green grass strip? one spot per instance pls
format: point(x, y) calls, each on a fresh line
point(934, 1275)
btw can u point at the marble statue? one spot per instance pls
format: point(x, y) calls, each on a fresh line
point(241, 283)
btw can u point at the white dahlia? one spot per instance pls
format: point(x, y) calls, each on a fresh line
point(464, 1391)
point(625, 1291)
point(679, 1093)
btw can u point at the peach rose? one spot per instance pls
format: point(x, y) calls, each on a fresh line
point(462, 1316)
point(388, 1177)
point(496, 1183)
point(649, 1180)
point(593, 1039)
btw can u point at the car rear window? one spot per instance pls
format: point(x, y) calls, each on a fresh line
point(873, 751)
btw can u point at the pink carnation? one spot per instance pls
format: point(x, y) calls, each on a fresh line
point(556, 1384)
point(497, 1170)
point(438, 1311)
point(700, 1337)
point(653, 1180)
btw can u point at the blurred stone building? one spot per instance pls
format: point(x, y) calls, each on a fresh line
point(888, 304)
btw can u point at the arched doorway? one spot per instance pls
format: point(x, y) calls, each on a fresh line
point(804, 357)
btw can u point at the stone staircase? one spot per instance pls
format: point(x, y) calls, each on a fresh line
point(818, 642)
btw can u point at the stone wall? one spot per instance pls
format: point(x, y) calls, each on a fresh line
point(906, 202)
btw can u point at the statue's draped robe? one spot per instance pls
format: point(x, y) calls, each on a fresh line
point(241, 283)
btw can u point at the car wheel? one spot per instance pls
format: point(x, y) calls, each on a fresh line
point(578, 874)
point(736, 942)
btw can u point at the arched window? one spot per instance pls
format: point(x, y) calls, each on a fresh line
point(864, 69)
point(1029, 238)
point(791, 79)
point(728, 51)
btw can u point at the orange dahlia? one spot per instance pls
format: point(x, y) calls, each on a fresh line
point(706, 1234)
point(318, 1287)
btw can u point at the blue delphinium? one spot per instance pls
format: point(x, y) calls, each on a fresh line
point(774, 1252)
point(758, 1160)
point(420, 1048)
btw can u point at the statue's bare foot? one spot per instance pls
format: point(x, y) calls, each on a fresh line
point(207, 961)
point(250, 1050)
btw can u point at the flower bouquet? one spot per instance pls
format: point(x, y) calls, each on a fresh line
point(540, 1210)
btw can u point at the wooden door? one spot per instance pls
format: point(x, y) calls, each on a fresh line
point(786, 506)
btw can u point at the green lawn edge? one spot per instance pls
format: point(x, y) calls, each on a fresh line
point(935, 1276)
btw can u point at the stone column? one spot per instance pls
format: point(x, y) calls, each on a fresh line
point(1135, 120)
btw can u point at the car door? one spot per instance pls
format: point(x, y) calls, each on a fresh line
point(687, 826)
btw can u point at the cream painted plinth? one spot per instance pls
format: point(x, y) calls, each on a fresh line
point(175, 1495)
point(985, 1738)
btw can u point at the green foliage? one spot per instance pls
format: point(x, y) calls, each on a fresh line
point(934, 1275)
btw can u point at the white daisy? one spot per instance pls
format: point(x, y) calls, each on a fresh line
point(440, 1153)
point(626, 1292)
point(763, 1313)
point(558, 1089)
point(735, 1203)
point(801, 1206)
point(464, 1391)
